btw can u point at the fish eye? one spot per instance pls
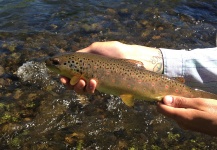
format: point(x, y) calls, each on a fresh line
point(56, 61)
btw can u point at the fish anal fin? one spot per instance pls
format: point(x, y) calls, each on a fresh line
point(128, 99)
point(159, 98)
point(75, 79)
point(180, 79)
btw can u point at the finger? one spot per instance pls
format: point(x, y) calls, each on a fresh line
point(85, 50)
point(80, 87)
point(109, 48)
point(174, 113)
point(178, 114)
point(95, 47)
point(190, 119)
point(194, 103)
point(66, 81)
point(166, 110)
point(91, 86)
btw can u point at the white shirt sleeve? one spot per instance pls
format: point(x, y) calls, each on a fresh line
point(198, 67)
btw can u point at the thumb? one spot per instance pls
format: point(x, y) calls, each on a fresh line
point(183, 102)
point(85, 50)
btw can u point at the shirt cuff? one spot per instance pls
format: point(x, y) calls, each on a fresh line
point(173, 62)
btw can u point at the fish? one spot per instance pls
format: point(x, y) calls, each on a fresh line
point(126, 78)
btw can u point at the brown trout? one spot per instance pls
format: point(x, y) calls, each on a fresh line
point(121, 77)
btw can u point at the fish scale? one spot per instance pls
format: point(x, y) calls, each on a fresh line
point(121, 77)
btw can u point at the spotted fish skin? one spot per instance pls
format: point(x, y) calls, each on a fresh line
point(121, 77)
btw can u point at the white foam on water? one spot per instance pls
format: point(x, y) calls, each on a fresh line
point(36, 73)
point(31, 71)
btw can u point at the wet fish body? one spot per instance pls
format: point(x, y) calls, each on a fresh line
point(121, 77)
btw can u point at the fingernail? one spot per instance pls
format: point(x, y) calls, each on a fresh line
point(168, 100)
point(63, 80)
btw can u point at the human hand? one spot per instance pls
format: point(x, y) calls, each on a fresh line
point(150, 57)
point(196, 114)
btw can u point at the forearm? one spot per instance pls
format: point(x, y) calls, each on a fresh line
point(150, 57)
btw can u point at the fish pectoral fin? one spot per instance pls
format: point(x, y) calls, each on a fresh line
point(128, 99)
point(75, 79)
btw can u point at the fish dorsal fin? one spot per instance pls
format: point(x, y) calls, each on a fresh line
point(180, 79)
point(127, 99)
point(135, 62)
point(75, 79)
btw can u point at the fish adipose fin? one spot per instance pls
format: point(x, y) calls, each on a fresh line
point(128, 99)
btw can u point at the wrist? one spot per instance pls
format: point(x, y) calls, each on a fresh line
point(152, 58)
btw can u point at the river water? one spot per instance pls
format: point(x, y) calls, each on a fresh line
point(37, 112)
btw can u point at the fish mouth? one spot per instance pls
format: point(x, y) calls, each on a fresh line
point(52, 64)
point(52, 61)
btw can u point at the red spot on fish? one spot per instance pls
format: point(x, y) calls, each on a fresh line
point(95, 67)
point(166, 86)
point(124, 78)
point(152, 84)
point(176, 90)
point(139, 81)
point(107, 72)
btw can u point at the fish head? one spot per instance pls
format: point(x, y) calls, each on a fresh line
point(63, 65)
point(53, 64)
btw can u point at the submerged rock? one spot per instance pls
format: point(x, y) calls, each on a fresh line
point(2, 70)
point(91, 28)
point(75, 138)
